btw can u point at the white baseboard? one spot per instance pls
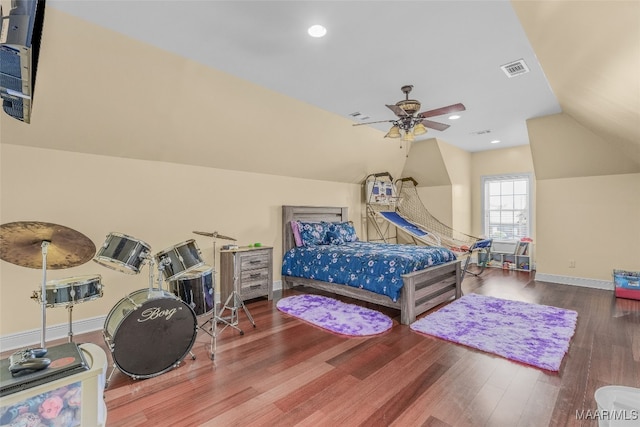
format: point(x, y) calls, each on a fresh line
point(575, 281)
point(32, 337)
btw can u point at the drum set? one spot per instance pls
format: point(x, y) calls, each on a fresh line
point(149, 331)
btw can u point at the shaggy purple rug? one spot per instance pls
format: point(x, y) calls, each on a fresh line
point(335, 316)
point(534, 334)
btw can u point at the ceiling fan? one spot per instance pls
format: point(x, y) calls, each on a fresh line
point(410, 121)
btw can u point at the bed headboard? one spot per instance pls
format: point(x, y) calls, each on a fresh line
point(311, 214)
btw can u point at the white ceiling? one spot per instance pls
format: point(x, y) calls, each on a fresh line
point(450, 51)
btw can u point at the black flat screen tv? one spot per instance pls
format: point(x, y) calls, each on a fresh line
point(20, 34)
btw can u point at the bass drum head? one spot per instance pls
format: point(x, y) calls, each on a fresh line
point(153, 338)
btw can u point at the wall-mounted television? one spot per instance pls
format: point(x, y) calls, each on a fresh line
point(20, 33)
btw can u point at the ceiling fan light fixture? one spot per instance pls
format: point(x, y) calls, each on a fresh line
point(394, 132)
point(419, 129)
point(408, 136)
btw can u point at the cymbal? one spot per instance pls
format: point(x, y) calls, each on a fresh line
point(214, 235)
point(21, 244)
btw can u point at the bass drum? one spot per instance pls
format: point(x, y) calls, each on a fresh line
point(149, 332)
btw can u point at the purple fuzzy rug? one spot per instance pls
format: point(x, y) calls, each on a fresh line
point(335, 316)
point(534, 334)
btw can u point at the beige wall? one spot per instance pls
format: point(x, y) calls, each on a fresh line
point(593, 221)
point(159, 203)
point(588, 201)
point(498, 162)
point(459, 169)
point(438, 201)
point(564, 148)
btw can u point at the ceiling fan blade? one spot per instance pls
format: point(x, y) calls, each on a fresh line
point(370, 123)
point(435, 125)
point(443, 110)
point(397, 110)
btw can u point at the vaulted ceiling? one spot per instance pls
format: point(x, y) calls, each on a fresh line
point(239, 85)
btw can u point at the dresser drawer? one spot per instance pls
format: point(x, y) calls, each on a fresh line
point(252, 261)
point(254, 283)
point(254, 290)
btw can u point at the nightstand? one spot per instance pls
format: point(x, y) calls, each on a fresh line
point(249, 269)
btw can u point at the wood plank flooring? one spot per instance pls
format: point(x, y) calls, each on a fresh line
point(285, 372)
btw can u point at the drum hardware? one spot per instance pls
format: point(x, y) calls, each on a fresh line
point(217, 317)
point(44, 245)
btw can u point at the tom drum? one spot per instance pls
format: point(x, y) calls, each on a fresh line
point(196, 289)
point(123, 253)
point(179, 259)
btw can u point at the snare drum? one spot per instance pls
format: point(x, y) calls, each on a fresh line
point(149, 332)
point(74, 290)
point(196, 289)
point(123, 253)
point(179, 259)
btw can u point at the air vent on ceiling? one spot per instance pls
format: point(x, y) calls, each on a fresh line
point(481, 132)
point(358, 115)
point(516, 68)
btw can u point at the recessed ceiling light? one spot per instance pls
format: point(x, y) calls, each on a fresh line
point(495, 141)
point(317, 31)
point(454, 117)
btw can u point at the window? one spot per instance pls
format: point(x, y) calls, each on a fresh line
point(506, 206)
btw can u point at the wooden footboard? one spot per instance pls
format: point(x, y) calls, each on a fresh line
point(425, 289)
point(422, 290)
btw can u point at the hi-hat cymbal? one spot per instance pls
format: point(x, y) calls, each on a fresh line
point(215, 235)
point(21, 244)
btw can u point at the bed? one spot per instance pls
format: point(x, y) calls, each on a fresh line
point(419, 292)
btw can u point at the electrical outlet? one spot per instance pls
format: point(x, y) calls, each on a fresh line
point(572, 263)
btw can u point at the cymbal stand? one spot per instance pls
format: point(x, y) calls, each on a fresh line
point(232, 320)
point(237, 304)
point(215, 319)
point(45, 247)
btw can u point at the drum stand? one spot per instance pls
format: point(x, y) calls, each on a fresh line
point(234, 318)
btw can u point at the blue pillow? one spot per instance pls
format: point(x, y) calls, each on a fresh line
point(333, 238)
point(345, 230)
point(312, 233)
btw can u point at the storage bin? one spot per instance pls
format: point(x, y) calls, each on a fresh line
point(627, 284)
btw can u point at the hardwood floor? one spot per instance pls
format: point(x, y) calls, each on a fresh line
point(285, 372)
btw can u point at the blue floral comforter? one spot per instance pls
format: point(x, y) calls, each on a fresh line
point(376, 267)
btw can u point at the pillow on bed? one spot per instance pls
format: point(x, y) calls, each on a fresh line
point(345, 230)
point(296, 233)
point(312, 233)
point(333, 238)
